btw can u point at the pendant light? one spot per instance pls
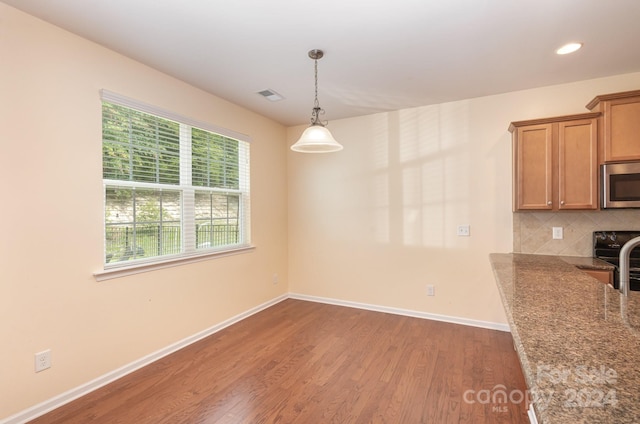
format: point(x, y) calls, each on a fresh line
point(316, 138)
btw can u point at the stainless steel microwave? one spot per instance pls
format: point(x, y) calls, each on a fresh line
point(620, 186)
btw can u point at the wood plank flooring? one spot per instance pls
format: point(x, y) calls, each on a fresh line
point(312, 363)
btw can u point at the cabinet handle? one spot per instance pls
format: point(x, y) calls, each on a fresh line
point(562, 202)
point(549, 202)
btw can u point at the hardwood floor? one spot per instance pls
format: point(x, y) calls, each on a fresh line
point(312, 363)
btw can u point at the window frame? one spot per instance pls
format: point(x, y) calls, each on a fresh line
point(189, 252)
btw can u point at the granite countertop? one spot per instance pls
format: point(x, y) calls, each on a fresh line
point(578, 339)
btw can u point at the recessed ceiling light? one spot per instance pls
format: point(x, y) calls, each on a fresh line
point(569, 48)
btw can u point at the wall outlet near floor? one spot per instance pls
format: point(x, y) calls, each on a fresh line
point(464, 230)
point(431, 290)
point(43, 360)
point(557, 233)
point(274, 279)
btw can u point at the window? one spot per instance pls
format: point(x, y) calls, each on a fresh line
point(173, 187)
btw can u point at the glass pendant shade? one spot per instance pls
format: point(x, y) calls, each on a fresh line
point(316, 139)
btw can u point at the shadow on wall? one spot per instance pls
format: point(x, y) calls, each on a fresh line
point(420, 175)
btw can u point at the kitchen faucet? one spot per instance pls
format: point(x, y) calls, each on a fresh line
point(625, 252)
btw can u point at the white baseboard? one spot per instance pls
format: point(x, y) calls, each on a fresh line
point(405, 312)
point(66, 397)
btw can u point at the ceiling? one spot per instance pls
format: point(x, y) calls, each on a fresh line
point(380, 55)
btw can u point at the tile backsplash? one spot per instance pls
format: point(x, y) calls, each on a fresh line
point(532, 230)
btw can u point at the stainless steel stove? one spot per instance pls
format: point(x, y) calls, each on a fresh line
point(607, 246)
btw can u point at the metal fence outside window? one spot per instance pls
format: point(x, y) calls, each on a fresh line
point(125, 242)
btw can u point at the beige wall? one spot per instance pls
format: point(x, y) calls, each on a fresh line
point(377, 222)
point(51, 218)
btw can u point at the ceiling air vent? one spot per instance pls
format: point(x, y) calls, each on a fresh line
point(270, 95)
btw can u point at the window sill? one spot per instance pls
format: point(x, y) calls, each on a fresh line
point(118, 272)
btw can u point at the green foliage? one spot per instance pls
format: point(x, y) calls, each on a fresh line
point(145, 148)
point(139, 147)
point(214, 160)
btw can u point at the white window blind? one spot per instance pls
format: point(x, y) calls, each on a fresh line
point(173, 187)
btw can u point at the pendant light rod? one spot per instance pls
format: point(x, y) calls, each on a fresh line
point(317, 110)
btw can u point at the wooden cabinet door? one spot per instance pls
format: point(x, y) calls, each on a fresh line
point(622, 129)
point(578, 164)
point(533, 152)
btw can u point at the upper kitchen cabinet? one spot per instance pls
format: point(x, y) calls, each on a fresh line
point(620, 129)
point(555, 163)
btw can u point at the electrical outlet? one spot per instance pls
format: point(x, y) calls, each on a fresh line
point(274, 279)
point(431, 290)
point(557, 233)
point(43, 360)
point(464, 230)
